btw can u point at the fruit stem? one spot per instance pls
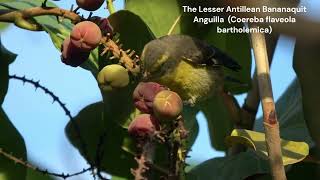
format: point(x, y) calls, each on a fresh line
point(145, 158)
point(128, 60)
point(178, 151)
point(110, 6)
point(269, 113)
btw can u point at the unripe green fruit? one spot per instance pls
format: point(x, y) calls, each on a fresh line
point(71, 55)
point(167, 105)
point(112, 77)
point(86, 35)
point(143, 125)
point(90, 5)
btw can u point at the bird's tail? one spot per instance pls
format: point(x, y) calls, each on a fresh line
point(236, 81)
point(227, 61)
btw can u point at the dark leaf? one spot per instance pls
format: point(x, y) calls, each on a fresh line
point(92, 127)
point(12, 142)
point(6, 57)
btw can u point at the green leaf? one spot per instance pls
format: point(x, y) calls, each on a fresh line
point(158, 15)
point(290, 114)
point(134, 33)
point(292, 152)
point(93, 125)
point(12, 142)
point(57, 31)
point(4, 25)
point(6, 57)
point(220, 123)
point(236, 45)
point(235, 167)
point(306, 65)
point(118, 178)
point(119, 106)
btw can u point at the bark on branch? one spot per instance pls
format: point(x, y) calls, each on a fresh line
point(269, 113)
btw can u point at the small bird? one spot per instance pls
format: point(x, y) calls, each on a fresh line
point(187, 65)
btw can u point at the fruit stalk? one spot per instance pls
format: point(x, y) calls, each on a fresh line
point(145, 158)
point(269, 113)
point(127, 59)
point(178, 151)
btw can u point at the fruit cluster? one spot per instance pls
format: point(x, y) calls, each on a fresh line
point(85, 36)
point(160, 105)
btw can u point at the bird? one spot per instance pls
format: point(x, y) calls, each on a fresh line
point(189, 66)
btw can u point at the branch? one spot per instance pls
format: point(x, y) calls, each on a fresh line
point(269, 113)
point(24, 18)
point(250, 107)
point(65, 109)
point(125, 57)
point(30, 166)
point(99, 155)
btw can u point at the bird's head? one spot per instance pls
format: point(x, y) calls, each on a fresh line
point(155, 61)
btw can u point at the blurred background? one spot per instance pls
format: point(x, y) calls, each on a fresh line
point(42, 122)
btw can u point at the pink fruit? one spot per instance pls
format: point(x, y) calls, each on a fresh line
point(86, 35)
point(71, 55)
point(90, 5)
point(143, 125)
point(167, 105)
point(144, 94)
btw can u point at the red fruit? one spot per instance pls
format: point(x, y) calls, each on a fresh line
point(71, 55)
point(90, 5)
point(143, 125)
point(104, 24)
point(86, 35)
point(144, 94)
point(167, 105)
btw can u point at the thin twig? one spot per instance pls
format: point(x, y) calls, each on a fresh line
point(65, 109)
point(44, 171)
point(24, 18)
point(269, 113)
point(100, 154)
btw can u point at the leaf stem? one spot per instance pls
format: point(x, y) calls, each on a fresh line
point(174, 25)
point(110, 6)
point(269, 113)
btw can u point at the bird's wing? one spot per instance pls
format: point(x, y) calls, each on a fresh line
point(199, 52)
point(212, 56)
